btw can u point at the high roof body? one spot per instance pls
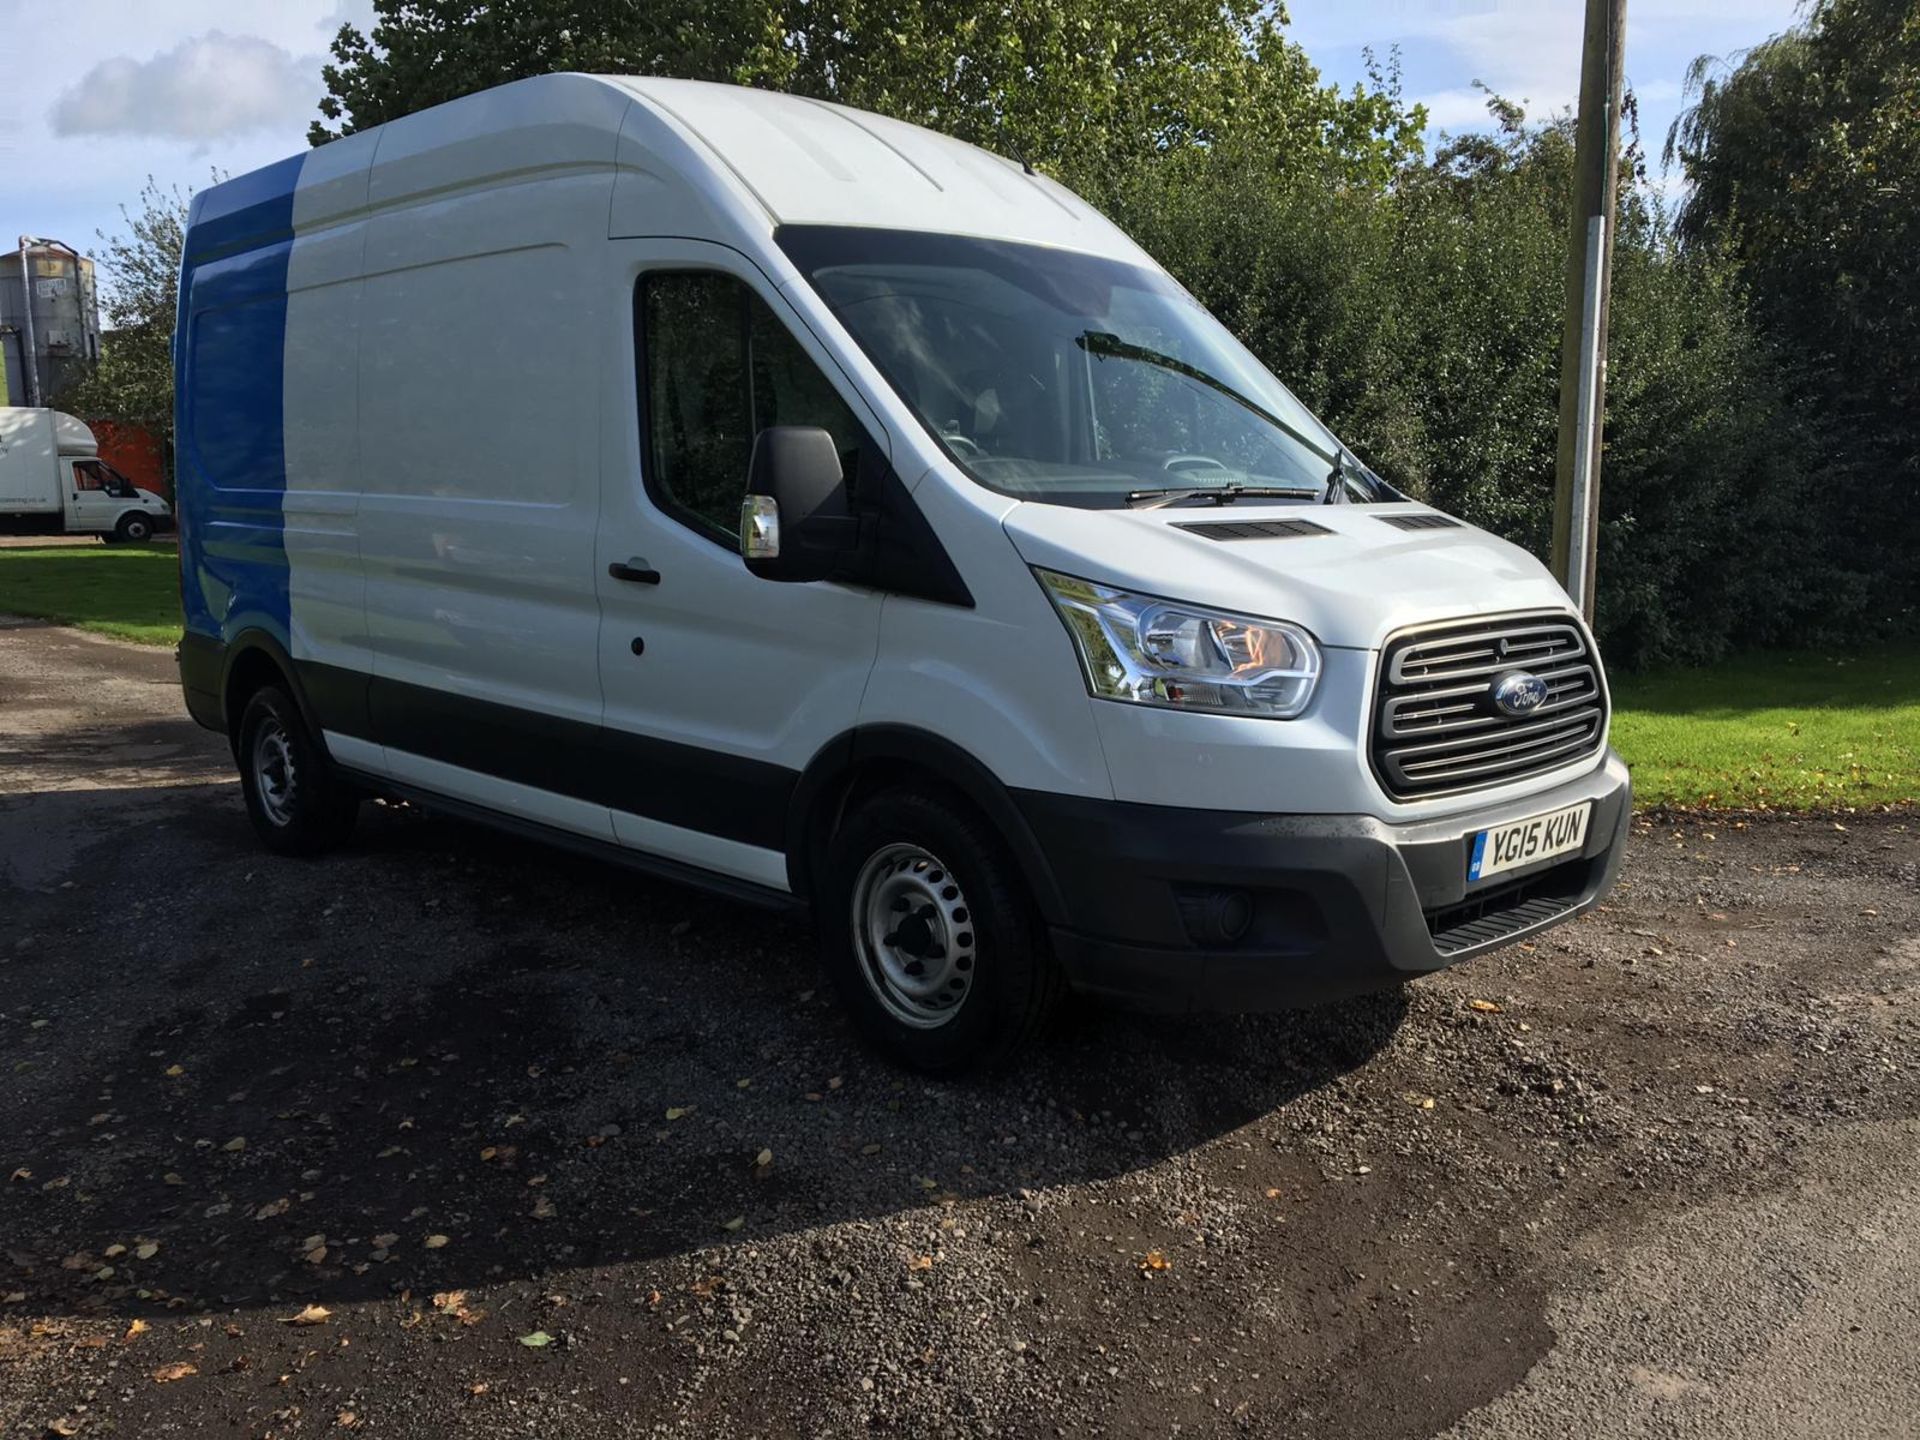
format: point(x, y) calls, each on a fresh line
point(683, 158)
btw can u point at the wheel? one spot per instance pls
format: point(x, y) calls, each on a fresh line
point(134, 529)
point(297, 805)
point(929, 933)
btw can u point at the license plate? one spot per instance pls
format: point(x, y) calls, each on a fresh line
point(1540, 837)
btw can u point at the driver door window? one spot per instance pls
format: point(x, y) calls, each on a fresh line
point(90, 475)
point(717, 367)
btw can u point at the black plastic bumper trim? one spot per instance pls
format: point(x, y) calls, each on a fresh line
point(1342, 904)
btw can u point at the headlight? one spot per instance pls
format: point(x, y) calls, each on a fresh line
point(1184, 657)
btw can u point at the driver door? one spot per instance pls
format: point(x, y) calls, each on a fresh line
point(90, 502)
point(719, 686)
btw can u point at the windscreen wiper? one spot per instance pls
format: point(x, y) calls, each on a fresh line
point(1101, 342)
point(1216, 494)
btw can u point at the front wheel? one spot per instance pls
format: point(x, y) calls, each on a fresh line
point(930, 935)
point(134, 529)
point(297, 805)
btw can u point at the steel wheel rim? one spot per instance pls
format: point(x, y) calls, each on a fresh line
point(914, 935)
point(273, 771)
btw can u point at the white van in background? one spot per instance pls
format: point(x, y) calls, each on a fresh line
point(52, 480)
point(801, 504)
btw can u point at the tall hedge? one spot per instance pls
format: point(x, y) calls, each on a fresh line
point(1422, 320)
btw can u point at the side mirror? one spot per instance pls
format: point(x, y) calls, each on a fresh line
point(794, 522)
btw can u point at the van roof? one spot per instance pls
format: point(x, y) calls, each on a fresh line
point(683, 152)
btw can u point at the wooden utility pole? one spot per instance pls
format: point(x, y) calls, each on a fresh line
point(1583, 356)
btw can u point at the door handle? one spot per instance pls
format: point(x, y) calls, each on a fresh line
point(636, 570)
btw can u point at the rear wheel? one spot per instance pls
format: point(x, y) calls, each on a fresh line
point(297, 804)
point(133, 529)
point(930, 935)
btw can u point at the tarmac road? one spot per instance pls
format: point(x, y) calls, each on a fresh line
point(501, 1114)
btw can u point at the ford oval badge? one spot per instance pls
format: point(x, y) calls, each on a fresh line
point(1518, 693)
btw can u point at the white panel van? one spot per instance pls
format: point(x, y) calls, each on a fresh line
point(53, 481)
point(804, 505)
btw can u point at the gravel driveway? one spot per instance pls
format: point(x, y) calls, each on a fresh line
point(451, 1135)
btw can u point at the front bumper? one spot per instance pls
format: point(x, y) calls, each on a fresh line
point(1336, 905)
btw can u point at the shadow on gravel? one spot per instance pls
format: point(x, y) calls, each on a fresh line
point(291, 1080)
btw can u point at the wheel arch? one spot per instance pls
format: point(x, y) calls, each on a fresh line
point(875, 756)
point(254, 659)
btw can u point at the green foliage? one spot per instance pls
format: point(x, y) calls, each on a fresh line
point(1077, 85)
point(1804, 160)
point(141, 265)
point(1422, 320)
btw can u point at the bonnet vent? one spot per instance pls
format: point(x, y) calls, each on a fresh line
point(1252, 529)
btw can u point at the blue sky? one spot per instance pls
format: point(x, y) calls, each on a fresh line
point(121, 89)
point(1527, 50)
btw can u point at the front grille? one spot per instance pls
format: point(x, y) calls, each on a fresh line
point(1436, 730)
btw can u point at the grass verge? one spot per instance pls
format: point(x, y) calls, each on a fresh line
point(1784, 731)
point(131, 592)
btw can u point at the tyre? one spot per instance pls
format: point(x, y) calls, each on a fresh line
point(297, 804)
point(930, 935)
point(133, 529)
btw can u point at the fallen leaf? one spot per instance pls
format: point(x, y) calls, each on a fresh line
point(21, 1174)
point(763, 1159)
point(386, 1241)
point(543, 1208)
point(236, 1145)
point(174, 1072)
point(179, 1370)
point(172, 1178)
point(836, 1082)
point(1273, 1192)
point(1485, 1007)
point(272, 1208)
point(489, 1152)
point(65, 1425)
point(920, 1262)
point(434, 1242)
point(1154, 1260)
point(735, 1223)
point(311, 1315)
point(869, 1149)
point(138, 1327)
point(347, 1420)
point(674, 1112)
point(537, 1339)
point(447, 1301)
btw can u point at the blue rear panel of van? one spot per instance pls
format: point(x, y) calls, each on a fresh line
point(229, 364)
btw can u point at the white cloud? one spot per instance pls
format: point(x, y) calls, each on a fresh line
point(205, 88)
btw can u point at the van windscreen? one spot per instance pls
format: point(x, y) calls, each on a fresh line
point(1062, 377)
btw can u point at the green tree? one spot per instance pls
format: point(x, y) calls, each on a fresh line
point(141, 268)
point(1804, 162)
point(1077, 85)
